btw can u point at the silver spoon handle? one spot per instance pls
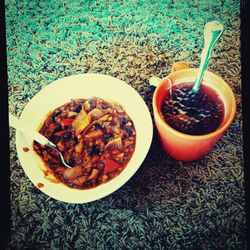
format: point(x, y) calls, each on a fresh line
point(212, 32)
point(19, 125)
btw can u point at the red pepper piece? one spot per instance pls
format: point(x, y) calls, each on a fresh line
point(110, 166)
point(66, 122)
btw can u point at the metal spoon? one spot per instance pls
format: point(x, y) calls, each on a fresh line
point(212, 32)
point(19, 125)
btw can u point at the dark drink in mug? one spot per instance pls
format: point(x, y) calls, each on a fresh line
point(192, 113)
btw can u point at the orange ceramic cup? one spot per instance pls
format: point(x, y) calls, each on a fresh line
point(182, 146)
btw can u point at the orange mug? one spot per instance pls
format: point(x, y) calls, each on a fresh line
point(186, 147)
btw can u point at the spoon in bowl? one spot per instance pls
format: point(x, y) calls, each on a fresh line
point(212, 32)
point(19, 125)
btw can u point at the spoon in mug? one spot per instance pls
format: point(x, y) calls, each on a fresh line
point(19, 125)
point(212, 32)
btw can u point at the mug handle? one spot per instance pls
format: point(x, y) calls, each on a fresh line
point(155, 81)
point(179, 65)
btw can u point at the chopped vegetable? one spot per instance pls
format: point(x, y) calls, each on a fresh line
point(72, 173)
point(94, 174)
point(110, 166)
point(49, 176)
point(96, 114)
point(66, 122)
point(119, 157)
point(80, 180)
point(128, 143)
point(94, 134)
point(71, 114)
point(60, 146)
point(104, 178)
point(81, 121)
point(79, 146)
point(114, 144)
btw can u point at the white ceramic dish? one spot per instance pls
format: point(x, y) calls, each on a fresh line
point(84, 86)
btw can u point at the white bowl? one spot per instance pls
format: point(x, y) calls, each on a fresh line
point(84, 86)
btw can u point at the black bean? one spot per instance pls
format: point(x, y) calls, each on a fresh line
point(55, 139)
point(124, 121)
point(57, 128)
point(78, 108)
point(95, 150)
point(98, 126)
point(67, 135)
point(55, 114)
point(105, 137)
point(129, 131)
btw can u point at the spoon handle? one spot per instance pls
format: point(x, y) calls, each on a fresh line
point(19, 125)
point(212, 32)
